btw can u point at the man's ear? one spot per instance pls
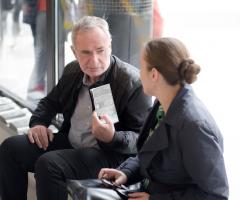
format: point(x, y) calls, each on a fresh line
point(110, 49)
point(73, 50)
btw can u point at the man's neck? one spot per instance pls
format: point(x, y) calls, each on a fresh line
point(92, 80)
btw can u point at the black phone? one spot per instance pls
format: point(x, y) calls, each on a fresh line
point(110, 184)
point(122, 190)
point(107, 183)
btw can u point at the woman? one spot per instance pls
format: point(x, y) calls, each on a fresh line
point(180, 149)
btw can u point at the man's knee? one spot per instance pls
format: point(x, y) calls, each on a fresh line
point(46, 164)
point(7, 145)
point(13, 146)
point(14, 142)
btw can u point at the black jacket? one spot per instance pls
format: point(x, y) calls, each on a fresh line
point(131, 103)
point(183, 159)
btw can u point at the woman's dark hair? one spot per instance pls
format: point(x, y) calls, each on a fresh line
point(171, 58)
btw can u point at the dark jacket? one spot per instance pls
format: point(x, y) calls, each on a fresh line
point(183, 159)
point(131, 103)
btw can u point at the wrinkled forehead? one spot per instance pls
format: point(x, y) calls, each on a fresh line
point(92, 34)
point(92, 41)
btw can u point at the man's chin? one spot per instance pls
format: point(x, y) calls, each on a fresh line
point(95, 72)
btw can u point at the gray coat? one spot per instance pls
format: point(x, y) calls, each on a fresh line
point(183, 159)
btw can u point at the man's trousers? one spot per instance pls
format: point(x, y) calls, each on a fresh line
point(51, 167)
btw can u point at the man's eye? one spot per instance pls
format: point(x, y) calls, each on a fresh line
point(100, 51)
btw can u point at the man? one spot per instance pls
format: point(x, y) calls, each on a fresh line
point(84, 143)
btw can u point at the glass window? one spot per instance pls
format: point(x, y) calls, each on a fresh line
point(24, 48)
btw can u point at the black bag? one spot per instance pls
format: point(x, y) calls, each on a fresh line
point(96, 189)
point(91, 189)
point(7, 4)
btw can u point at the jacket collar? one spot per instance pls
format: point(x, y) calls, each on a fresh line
point(174, 115)
point(147, 125)
point(159, 139)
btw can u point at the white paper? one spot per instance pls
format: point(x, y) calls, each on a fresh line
point(103, 102)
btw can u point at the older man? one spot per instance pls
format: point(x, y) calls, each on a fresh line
point(84, 143)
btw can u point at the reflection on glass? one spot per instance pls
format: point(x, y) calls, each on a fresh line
point(23, 48)
point(35, 15)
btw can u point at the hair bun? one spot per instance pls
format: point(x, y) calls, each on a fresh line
point(188, 71)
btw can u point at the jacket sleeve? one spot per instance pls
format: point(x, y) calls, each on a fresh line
point(131, 121)
point(131, 168)
point(48, 107)
point(202, 154)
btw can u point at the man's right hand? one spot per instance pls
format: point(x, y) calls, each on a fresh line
point(40, 135)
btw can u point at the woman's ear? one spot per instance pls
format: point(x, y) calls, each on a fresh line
point(155, 74)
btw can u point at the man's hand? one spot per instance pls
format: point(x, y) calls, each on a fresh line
point(102, 129)
point(117, 176)
point(40, 135)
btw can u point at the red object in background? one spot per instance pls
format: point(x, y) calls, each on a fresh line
point(157, 20)
point(42, 5)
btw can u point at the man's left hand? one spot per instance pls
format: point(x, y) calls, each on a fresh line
point(102, 128)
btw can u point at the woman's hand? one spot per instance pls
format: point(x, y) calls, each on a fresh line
point(138, 196)
point(118, 177)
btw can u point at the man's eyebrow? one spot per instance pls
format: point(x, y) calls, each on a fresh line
point(85, 51)
point(88, 51)
point(99, 48)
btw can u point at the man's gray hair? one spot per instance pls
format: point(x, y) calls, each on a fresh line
point(88, 22)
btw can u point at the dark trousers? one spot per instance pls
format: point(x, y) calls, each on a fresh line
point(51, 167)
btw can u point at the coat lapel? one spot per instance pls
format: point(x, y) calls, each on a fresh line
point(147, 125)
point(160, 138)
point(157, 142)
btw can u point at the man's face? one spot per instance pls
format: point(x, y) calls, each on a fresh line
point(92, 49)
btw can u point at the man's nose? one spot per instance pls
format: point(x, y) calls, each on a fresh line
point(94, 58)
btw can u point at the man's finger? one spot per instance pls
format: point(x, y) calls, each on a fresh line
point(95, 117)
point(107, 119)
point(50, 135)
point(43, 137)
point(30, 137)
point(36, 139)
point(95, 114)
